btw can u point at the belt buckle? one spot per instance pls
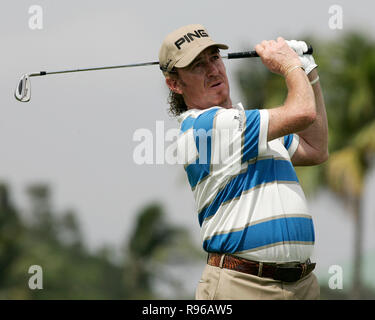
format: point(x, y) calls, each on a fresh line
point(289, 271)
point(307, 267)
point(287, 274)
point(304, 269)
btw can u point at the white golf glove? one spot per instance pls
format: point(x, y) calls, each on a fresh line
point(307, 60)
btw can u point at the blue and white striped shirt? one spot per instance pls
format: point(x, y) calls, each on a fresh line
point(247, 194)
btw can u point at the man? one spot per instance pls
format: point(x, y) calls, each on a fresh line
point(254, 220)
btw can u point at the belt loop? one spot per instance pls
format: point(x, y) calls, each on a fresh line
point(222, 261)
point(260, 269)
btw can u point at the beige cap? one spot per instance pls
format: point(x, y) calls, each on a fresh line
point(183, 45)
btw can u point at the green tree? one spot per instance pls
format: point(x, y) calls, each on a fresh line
point(153, 244)
point(54, 241)
point(351, 96)
point(347, 73)
point(11, 231)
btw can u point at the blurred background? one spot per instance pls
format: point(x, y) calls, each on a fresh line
point(100, 226)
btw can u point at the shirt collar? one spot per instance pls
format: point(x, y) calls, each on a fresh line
point(196, 112)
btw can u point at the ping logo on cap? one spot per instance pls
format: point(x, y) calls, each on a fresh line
point(190, 37)
point(182, 46)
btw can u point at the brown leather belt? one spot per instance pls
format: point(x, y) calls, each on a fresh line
point(286, 272)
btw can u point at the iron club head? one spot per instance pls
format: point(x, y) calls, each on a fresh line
point(23, 89)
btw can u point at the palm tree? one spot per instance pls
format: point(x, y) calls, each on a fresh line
point(352, 130)
point(347, 72)
point(153, 244)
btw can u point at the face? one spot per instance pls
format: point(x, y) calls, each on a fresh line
point(203, 83)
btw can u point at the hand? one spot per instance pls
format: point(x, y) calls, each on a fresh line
point(307, 60)
point(277, 56)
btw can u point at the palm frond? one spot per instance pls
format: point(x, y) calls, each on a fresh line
point(345, 172)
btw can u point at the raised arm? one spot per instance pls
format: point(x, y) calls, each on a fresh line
point(298, 111)
point(313, 141)
point(303, 111)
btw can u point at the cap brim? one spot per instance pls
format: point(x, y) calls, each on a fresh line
point(189, 58)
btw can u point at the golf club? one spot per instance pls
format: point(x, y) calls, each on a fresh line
point(23, 89)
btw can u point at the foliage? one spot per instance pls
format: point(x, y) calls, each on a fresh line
point(152, 244)
point(55, 242)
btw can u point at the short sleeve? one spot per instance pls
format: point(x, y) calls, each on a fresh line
point(291, 142)
point(254, 134)
point(237, 136)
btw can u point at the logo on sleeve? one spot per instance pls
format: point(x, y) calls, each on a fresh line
point(240, 122)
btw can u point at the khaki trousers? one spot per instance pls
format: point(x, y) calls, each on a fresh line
point(224, 284)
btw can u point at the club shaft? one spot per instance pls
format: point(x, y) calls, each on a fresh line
point(234, 55)
point(43, 73)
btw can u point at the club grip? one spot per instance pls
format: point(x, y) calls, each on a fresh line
point(252, 54)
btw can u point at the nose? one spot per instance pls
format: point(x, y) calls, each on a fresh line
point(212, 68)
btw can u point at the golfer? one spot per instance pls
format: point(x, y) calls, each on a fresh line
point(255, 224)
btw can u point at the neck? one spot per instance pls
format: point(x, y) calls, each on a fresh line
point(226, 104)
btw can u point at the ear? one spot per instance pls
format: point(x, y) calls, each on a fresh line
point(174, 85)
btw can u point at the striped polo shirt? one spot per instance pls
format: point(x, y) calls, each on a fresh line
point(248, 199)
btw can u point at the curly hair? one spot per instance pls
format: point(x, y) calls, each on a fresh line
point(176, 103)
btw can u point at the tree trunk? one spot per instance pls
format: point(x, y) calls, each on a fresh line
point(357, 254)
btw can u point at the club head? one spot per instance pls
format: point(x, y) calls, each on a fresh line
point(23, 89)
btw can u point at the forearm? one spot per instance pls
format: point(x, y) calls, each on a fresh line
point(298, 110)
point(316, 135)
point(300, 98)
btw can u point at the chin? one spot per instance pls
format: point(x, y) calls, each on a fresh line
point(223, 101)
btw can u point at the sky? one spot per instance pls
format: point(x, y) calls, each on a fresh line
point(77, 132)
